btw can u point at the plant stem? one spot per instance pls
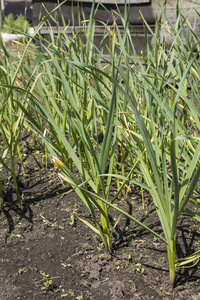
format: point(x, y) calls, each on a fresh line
point(171, 251)
point(21, 159)
point(15, 179)
point(1, 196)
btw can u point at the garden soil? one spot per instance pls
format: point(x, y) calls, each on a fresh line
point(47, 252)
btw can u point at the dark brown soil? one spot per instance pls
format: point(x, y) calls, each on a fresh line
point(47, 252)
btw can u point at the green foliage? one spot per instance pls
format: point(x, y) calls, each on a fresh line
point(135, 121)
point(19, 25)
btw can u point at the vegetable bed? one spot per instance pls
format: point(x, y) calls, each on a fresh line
point(100, 170)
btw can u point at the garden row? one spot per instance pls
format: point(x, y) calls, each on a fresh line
point(121, 122)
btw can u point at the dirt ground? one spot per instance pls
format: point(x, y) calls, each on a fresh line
point(47, 252)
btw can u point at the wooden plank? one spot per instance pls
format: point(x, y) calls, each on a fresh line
point(99, 30)
point(17, 1)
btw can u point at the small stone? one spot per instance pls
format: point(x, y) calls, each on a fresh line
point(117, 290)
point(86, 246)
point(94, 274)
point(107, 256)
point(94, 258)
point(95, 266)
